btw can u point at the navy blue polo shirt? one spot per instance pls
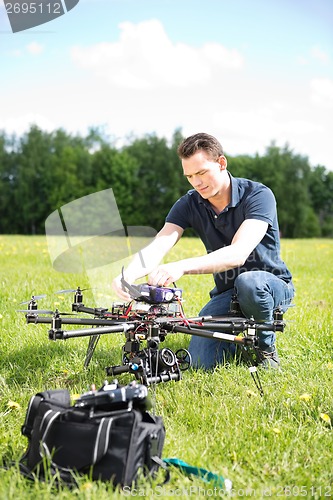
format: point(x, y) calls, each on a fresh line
point(249, 200)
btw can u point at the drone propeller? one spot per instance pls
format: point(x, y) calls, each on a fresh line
point(34, 298)
point(72, 290)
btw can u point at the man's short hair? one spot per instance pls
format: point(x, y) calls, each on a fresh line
point(200, 142)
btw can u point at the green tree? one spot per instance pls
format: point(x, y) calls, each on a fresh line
point(119, 171)
point(321, 193)
point(71, 175)
point(52, 169)
point(31, 199)
point(242, 166)
point(7, 182)
point(160, 178)
point(41, 171)
point(288, 175)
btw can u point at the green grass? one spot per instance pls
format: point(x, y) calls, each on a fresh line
point(279, 445)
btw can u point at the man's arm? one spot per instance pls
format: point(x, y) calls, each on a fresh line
point(247, 237)
point(145, 261)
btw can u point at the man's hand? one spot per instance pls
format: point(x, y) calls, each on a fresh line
point(166, 274)
point(148, 258)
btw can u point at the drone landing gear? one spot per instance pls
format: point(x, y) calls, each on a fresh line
point(93, 341)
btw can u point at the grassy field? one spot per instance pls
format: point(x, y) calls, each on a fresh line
point(276, 446)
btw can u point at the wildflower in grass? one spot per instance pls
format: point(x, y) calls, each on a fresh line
point(330, 366)
point(276, 430)
point(305, 397)
point(86, 486)
point(326, 418)
point(251, 394)
point(13, 405)
point(1, 316)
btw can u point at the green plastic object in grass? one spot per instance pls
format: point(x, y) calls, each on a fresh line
point(205, 475)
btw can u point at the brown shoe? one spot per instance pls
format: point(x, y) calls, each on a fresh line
point(269, 358)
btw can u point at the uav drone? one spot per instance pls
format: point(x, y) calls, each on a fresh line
point(146, 321)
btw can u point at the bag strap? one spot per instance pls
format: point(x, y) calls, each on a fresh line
point(163, 465)
point(102, 439)
point(60, 396)
point(101, 442)
point(203, 474)
point(34, 403)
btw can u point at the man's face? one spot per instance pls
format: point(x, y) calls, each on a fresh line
point(206, 176)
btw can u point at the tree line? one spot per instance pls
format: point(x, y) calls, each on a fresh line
point(41, 171)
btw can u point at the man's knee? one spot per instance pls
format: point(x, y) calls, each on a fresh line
point(249, 283)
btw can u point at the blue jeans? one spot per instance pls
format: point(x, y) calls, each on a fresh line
point(258, 294)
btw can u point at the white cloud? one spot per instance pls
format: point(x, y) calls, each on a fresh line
point(144, 82)
point(322, 91)
point(19, 124)
point(319, 54)
point(315, 54)
point(302, 61)
point(34, 48)
point(145, 58)
point(15, 53)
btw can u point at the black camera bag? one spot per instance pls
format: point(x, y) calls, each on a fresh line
point(104, 441)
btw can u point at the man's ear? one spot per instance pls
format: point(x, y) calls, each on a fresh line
point(223, 162)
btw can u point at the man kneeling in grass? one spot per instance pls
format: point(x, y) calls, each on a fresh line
point(236, 219)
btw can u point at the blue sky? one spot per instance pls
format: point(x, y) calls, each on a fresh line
point(249, 72)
